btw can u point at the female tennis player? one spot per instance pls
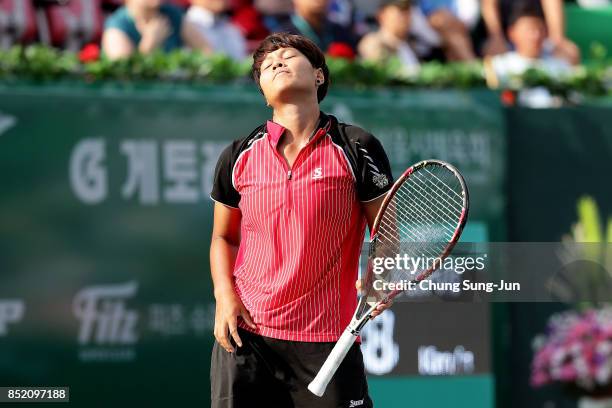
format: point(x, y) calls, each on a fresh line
point(292, 200)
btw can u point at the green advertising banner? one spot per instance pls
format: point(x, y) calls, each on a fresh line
point(105, 224)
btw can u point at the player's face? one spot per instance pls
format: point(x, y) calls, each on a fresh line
point(286, 74)
point(528, 35)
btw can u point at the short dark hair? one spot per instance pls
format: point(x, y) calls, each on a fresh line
point(525, 10)
point(310, 50)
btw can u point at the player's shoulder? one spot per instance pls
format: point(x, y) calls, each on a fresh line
point(359, 135)
point(232, 151)
point(354, 136)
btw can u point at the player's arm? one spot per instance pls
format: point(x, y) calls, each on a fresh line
point(223, 250)
point(370, 209)
point(374, 180)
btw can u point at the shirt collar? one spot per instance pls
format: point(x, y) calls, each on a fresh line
point(275, 130)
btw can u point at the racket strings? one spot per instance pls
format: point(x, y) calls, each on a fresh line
point(457, 187)
point(424, 227)
point(413, 235)
point(420, 220)
point(434, 190)
point(426, 202)
point(425, 218)
point(421, 188)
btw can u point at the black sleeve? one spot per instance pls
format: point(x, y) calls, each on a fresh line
point(223, 189)
point(373, 175)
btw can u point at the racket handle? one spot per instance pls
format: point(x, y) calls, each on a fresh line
point(327, 371)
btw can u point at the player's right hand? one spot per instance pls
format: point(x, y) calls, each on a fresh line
point(228, 308)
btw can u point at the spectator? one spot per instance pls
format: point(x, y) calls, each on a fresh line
point(341, 12)
point(391, 38)
point(276, 13)
point(250, 22)
point(208, 16)
point(274, 7)
point(494, 13)
point(454, 35)
point(310, 19)
point(527, 32)
point(468, 11)
point(147, 25)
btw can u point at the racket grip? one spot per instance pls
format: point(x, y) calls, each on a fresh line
point(327, 371)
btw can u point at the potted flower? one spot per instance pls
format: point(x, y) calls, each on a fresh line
point(576, 350)
point(576, 346)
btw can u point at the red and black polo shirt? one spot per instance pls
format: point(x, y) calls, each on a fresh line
point(302, 227)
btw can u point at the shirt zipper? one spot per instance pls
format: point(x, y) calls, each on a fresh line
point(288, 196)
point(289, 169)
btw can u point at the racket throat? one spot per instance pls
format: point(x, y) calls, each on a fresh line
point(372, 246)
point(359, 326)
point(359, 322)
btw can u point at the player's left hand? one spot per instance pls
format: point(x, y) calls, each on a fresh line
point(380, 308)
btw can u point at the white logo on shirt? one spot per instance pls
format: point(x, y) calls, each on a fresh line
point(380, 180)
point(355, 403)
point(318, 173)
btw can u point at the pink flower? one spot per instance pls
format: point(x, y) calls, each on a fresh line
point(568, 373)
point(539, 379)
point(576, 348)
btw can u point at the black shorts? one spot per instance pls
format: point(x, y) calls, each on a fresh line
point(272, 373)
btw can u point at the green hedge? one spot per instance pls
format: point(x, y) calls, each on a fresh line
point(43, 63)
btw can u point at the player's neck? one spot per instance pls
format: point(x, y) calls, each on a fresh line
point(298, 120)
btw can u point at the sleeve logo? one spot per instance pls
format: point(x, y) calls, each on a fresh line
point(380, 180)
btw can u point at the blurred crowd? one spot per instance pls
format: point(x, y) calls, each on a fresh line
point(510, 35)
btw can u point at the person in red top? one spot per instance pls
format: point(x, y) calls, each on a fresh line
point(292, 201)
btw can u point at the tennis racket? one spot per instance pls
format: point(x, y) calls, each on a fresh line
point(423, 216)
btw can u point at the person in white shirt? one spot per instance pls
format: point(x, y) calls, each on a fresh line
point(495, 15)
point(209, 18)
point(527, 33)
point(391, 40)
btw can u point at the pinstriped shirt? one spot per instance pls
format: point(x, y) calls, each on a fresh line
point(302, 227)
